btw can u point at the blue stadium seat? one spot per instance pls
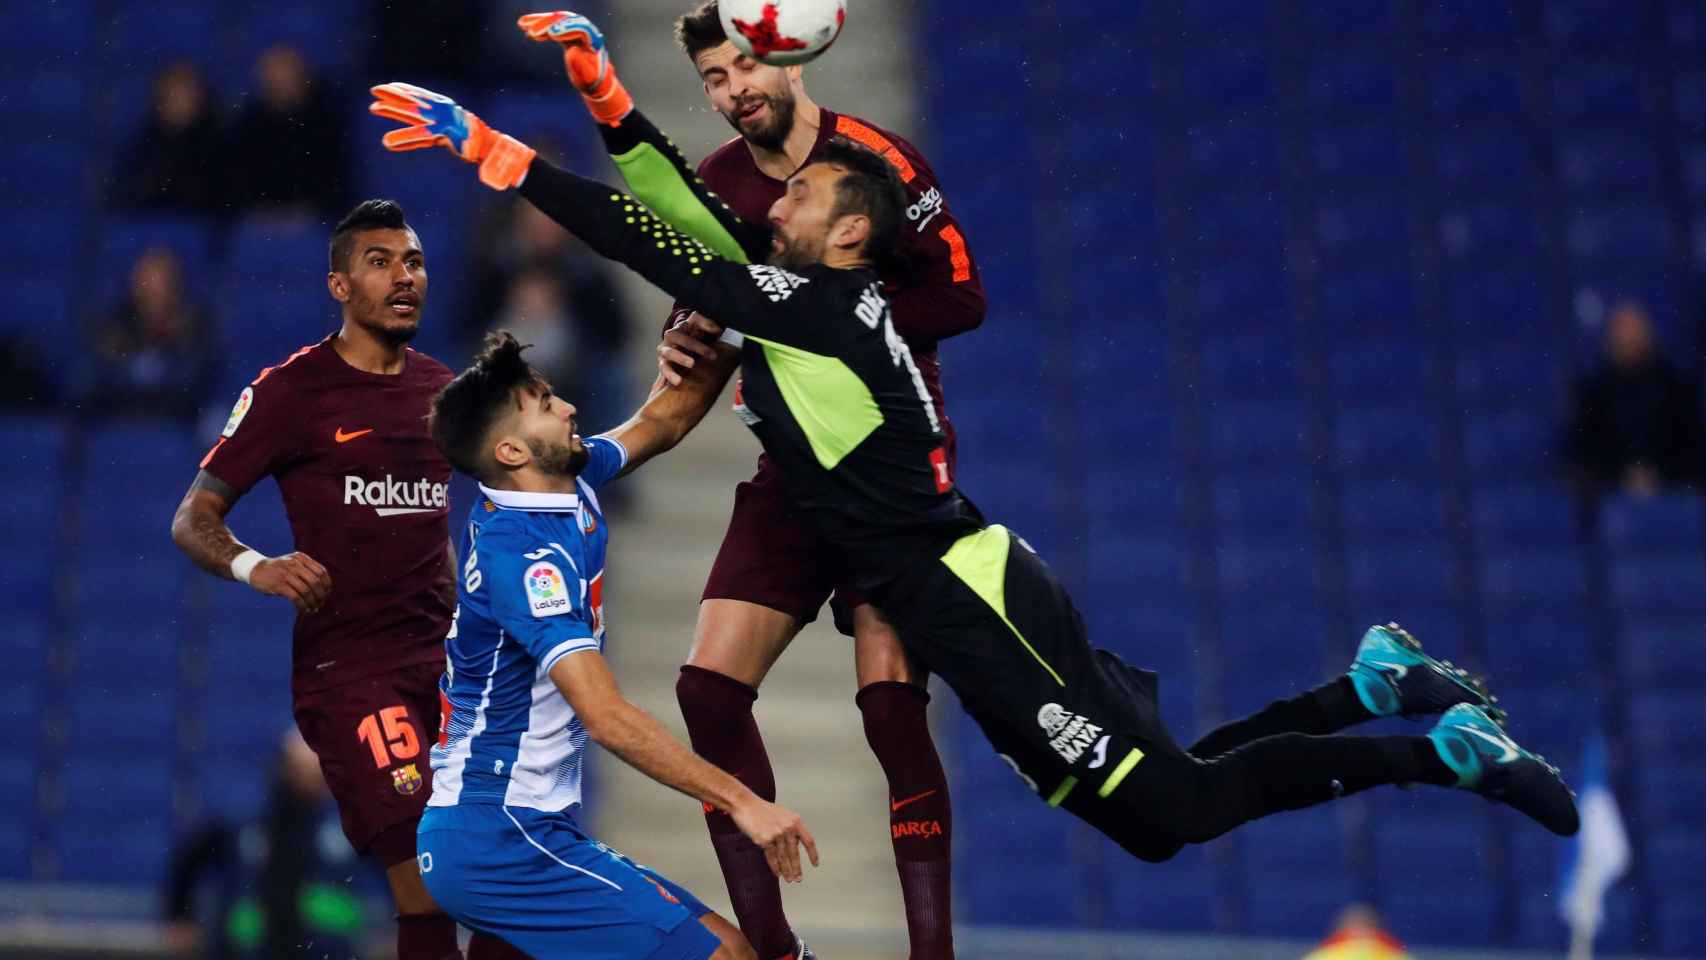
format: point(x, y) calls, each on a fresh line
point(1262, 508)
point(1217, 81)
point(1234, 224)
point(1381, 369)
point(1598, 94)
point(1502, 376)
point(1619, 233)
point(1407, 581)
point(1526, 515)
point(1475, 88)
point(21, 710)
point(1659, 586)
point(1663, 724)
point(1377, 299)
point(1363, 225)
point(1250, 367)
point(1252, 434)
point(1613, 163)
point(1480, 23)
point(1510, 445)
point(134, 789)
point(1378, 442)
point(1480, 164)
point(138, 36)
point(36, 446)
point(1271, 652)
point(1361, 152)
point(1305, 844)
point(321, 31)
point(1593, 27)
point(1662, 526)
point(1534, 577)
point(1248, 293)
point(1127, 502)
point(1333, 87)
point(1511, 300)
point(31, 163)
point(1430, 851)
point(1235, 151)
point(1177, 896)
point(1667, 789)
point(1396, 509)
point(1498, 231)
point(1252, 573)
point(1662, 653)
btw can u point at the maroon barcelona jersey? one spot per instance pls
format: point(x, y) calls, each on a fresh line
point(367, 494)
point(933, 289)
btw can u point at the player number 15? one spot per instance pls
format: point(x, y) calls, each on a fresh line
point(389, 735)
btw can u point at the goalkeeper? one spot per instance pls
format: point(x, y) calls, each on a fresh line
point(837, 402)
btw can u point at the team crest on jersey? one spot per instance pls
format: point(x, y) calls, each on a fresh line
point(406, 779)
point(589, 522)
point(777, 283)
point(547, 591)
point(245, 400)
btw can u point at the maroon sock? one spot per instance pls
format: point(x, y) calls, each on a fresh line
point(484, 946)
point(718, 711)
point(920, 816)
point(427, 936)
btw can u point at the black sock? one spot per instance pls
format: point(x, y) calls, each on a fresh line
point(1326, 709)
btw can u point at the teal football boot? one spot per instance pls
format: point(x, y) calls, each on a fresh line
point(1393, 676)
point(1488, 762)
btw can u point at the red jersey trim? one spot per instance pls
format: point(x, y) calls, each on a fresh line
point(849, 127)
point(957, 253)
point(280, 366)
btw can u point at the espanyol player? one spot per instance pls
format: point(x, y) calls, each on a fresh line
point(527, 685)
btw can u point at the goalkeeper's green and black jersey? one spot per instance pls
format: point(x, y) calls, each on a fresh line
point(832, 390)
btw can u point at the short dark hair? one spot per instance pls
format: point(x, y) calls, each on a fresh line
point(870, 186)
point(699, 29)
point(367, 215)
point(465, 410)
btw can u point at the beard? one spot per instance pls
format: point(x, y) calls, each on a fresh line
point(797, 253)
point(375, 317)
point(558, 459)
point(772, 134)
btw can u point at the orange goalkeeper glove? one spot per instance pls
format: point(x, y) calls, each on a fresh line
point(586, 59)
point(434, 119)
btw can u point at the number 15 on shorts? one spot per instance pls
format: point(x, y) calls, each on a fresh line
point(389, 735)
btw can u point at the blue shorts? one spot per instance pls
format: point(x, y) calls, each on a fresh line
point(539, 882)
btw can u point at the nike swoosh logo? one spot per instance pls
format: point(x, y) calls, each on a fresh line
point(1400, 669)
point(896, 805)
point(343, 437)
point(1509, 753)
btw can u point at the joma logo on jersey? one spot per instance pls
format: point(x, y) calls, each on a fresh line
point(777, 283)
point(926, 208)
point(1070, 734)
point(390, 497)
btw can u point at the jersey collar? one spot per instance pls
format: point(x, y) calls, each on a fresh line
point(533, 502)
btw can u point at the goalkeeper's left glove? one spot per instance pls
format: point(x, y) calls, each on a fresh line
point(586, 59)
point(434, 119)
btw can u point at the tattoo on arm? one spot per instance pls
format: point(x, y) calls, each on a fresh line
point(199, 527)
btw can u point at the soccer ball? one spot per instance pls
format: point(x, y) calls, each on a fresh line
point(782, 32)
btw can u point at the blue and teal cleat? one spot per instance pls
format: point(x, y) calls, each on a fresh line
point(1488, 762)
point(1393, 676)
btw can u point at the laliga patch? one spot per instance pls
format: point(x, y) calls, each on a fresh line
point(245, 400)
point(547, 591)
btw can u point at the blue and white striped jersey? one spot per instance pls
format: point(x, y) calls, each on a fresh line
point(531, 593)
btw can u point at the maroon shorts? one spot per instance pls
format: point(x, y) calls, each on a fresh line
point(373, 737)
point(771, 557)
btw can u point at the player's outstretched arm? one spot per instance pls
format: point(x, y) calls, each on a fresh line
point(655, 171)
point(200, 531)
point(585, 680)
point(676, 406)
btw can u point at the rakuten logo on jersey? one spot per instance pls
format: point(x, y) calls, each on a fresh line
point(391, 497)
point(1070, 734)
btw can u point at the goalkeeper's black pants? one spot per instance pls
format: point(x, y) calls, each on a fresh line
point(1083, 729)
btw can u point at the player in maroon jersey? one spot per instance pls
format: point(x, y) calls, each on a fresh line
point(341, 425)
point(773, 574)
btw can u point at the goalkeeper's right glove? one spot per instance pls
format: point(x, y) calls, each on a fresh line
point(586, 60)
point(434, 119)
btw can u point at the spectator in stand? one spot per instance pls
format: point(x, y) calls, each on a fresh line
point(543, 285)
point(173, 163)
point(1635, 425)
point(288, 153)
point(156, 353)
point(1359, 937)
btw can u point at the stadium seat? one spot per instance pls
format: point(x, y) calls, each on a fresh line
point(1508, 446)
point(1499, 230)
point(1362, 225)
point(1430, 850)
point(1363, 84)
point(1611, 164)
point(1376, 443)
point(1232, 225)
point(1521, 515)
point(1480, 23)
point(1510, 301)
point(1180, 895)
point(1554, 577)
point(133, 789)
point(1635, 232)
point(1396, 509)
point(1407, 581)
point(1598, 94)
point(1658, 587)
point(1365, 151)
point(1510, 375)
point(1244, 294)
point(1272, 652)
point(1667, 789)
point(1662, 526)
point(1369, 300)
point(1252, 573)
point(1253, 366)
point(1247, 435)
point(124, 239)
point(1662, 653)
point(1474, 88)
point(1262, 508)
point(1305, 844)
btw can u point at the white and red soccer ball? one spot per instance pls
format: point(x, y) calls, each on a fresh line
point(782, 32)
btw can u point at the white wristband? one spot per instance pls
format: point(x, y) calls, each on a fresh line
point(732, 337)
point(243, 565)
